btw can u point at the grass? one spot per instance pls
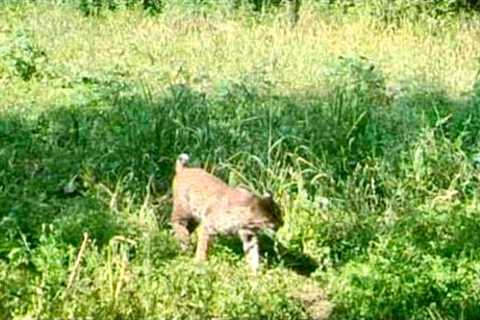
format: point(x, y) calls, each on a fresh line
point(366, 134)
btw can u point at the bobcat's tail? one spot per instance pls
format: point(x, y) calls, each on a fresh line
point(182, 162)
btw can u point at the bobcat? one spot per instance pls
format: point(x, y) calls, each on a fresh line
point(203, 199)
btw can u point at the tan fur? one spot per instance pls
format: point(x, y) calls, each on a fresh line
point(199, 197)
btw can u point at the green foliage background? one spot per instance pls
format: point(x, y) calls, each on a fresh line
point(377, 171)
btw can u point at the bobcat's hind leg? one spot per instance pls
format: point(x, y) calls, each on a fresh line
point(180, 224)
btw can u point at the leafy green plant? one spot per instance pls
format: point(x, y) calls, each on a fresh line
point(397, 11)
point(357, 77)
point(399, 281)
point(21, 57)
point(379, 192)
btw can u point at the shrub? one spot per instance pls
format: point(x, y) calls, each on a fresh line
point(20, 56)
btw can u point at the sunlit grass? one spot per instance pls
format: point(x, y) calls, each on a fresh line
point(204, 51)
point(365, 133)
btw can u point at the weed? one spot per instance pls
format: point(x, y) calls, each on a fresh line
point(379, 187)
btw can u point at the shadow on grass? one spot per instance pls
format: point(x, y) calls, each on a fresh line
point(272, 253)
point(278, 254)
point(58, 164)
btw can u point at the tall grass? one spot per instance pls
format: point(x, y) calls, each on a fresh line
point(366, 135)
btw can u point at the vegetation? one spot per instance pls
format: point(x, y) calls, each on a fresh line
point(365, 128)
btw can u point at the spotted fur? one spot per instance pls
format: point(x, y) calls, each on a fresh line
point(203, 199)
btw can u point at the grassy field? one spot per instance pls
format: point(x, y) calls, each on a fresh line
point(367, 135)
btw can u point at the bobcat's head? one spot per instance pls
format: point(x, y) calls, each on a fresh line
point(267, 213)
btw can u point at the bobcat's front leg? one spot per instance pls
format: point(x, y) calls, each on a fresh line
point(250, 247)
point(203, 243)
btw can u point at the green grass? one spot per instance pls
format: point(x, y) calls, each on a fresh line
point(367, 136)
